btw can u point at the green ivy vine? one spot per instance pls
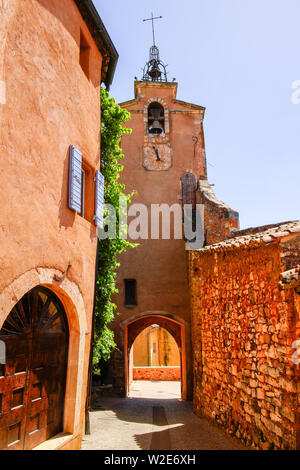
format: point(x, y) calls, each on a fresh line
point(113, 118)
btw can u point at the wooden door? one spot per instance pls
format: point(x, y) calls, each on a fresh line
point(32, 382)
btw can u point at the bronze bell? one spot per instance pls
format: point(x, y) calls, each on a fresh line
point(155, 116)
point(154, 72)
point(155, 128)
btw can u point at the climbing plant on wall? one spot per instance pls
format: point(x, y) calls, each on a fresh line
point(113, 118)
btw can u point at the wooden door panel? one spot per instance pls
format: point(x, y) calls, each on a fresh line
point(12, 437)
point(13, 418)
point(13, 392)
point(36, 427)
point(38, 405)
point(35, 437)
point(32, 383)
point(15, 382)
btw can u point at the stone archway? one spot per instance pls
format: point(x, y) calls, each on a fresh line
point(163, 103)
point(135, 326)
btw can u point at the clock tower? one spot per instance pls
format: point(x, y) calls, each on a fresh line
point(164, 164)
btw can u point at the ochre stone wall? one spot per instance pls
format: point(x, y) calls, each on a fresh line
point(156, 373)
point(243, 327)
point(220, 221)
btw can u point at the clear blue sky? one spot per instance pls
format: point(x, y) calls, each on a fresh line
point(238, 58)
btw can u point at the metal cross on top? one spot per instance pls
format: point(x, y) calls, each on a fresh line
point(152, 19)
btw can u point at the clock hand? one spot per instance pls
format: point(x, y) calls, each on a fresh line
point(157, 154)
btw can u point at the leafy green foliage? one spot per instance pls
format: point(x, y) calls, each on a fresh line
point(112, 119)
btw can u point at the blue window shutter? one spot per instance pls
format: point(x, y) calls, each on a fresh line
point(75, 179)
point(99, 199)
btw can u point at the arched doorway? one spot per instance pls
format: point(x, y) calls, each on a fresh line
point(155, 347)
point(32, 382)
point(156, 369)
point(135, 327)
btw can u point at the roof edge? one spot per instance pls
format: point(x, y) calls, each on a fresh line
point(186, 103)
point(267, 237)
point(128, 103)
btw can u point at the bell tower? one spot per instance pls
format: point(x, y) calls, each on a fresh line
point(165, 164)
point(154, 69)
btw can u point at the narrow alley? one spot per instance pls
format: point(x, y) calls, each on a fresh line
point(152, 418)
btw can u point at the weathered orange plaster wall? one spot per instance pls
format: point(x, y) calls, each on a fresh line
point(243, 327)
point(50, 104)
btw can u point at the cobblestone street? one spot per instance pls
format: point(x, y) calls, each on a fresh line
point(152, 418)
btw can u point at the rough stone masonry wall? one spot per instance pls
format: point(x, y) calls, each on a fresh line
point(243, 327)
point(156, 373)
point(220, 221)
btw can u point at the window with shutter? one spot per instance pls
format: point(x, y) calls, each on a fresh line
point(75, 180)
point(86, 193)
point(99, 199)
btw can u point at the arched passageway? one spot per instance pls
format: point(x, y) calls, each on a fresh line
point(33, 379)
point(155, 347)
point(134, 328)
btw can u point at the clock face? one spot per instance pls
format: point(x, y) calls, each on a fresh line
point(157, 157)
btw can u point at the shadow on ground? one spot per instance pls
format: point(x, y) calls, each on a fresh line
point(180, 429)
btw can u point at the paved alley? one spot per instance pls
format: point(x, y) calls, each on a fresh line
point(152, 418)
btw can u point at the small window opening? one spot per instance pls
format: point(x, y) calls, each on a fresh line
point(130, 293)
point(84, 55)
point(87, 192)
point(156, 119)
